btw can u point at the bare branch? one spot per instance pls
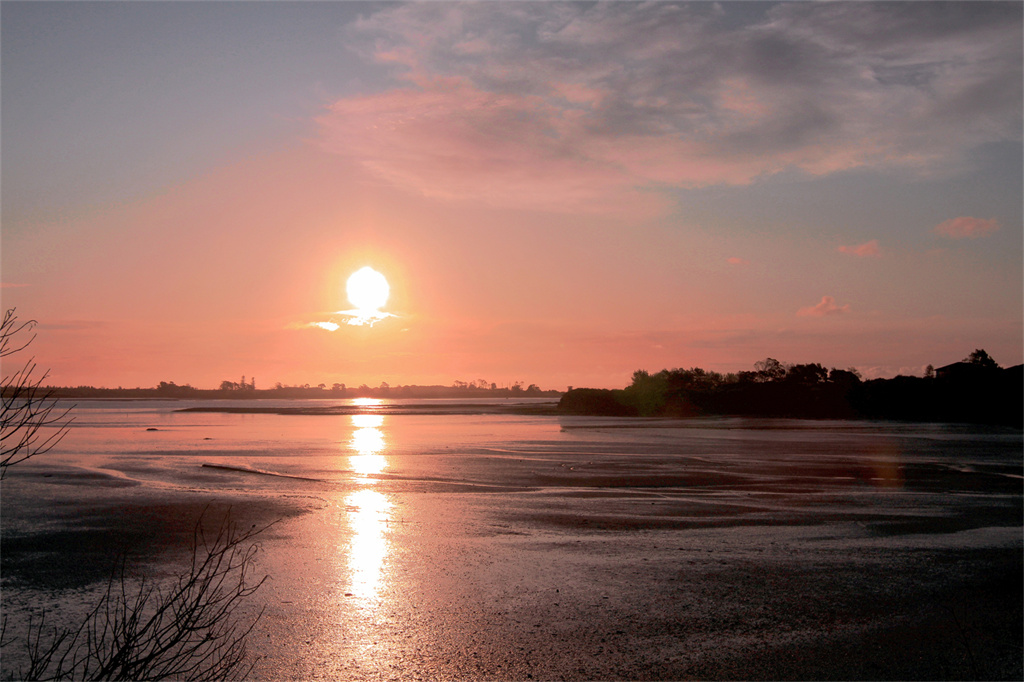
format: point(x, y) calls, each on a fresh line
point(186, 630)
point(32, 422)
point(10, 328)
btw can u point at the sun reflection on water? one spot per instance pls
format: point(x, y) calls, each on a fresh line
point(368, 510)
point(368, 443)
point(367, 421)
point(368, 465)
point(369, 516)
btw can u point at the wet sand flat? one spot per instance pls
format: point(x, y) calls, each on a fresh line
point(583, 549)
point(502, 598)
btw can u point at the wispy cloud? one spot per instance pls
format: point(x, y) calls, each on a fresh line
point(11, 285)
point(570, 105)
point(734, 260)
point(354, 318)
point(966, 227)
point(826, 306)
point(863, 250)
point(364, 317)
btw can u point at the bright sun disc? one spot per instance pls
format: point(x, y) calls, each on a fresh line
point(367, 289)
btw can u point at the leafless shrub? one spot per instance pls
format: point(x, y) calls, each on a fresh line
point(31, 420)
point(185, 630)
point(182, 629)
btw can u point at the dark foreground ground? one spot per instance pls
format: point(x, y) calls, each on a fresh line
point(581, 567)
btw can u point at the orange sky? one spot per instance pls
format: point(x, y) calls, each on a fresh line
point(535, 223)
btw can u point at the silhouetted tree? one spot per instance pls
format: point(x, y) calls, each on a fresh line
point(647, 393)
point(596, 401)
point(807, 375)
point(844, 377)
point(690, 392)
point(769, 369)
point(979, 392)
point(982, 359)
point(31, 420)
point(172, 389)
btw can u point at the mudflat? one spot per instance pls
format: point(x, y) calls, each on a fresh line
point(770, 553)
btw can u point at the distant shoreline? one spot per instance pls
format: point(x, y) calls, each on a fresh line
point(174, 392)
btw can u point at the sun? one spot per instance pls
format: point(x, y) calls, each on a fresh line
point(367, 290)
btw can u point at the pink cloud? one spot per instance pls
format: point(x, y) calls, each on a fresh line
point(451, 140)
point(966, 227)
point(11, 285)
point(569, 106)
point(827, 306)
point(866, 249)
point(737, 261)
point(447, 138)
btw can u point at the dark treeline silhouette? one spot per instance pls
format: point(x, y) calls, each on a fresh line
point(974, 390)
point(246, 391)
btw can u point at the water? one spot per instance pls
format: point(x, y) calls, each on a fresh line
point(438, 539)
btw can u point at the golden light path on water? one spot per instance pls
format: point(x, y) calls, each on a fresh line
point(369, 546)
point(368, 510)
point(368, 442)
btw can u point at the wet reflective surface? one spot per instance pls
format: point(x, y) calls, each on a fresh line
point(470, 546)
point(368, 510)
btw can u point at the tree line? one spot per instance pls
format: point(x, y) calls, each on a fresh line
point(974, 390)
point(247, 390)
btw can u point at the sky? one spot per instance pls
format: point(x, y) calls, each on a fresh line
point(557, 193)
